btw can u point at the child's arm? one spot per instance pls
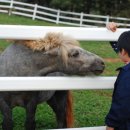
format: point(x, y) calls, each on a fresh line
point(113, 27)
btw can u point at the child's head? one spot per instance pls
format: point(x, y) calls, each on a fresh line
point(124, 46)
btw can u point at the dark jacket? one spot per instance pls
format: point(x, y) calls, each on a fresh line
point(119, 114)
point(114, 46)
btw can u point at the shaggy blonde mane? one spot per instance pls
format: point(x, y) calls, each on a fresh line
point(50, 41)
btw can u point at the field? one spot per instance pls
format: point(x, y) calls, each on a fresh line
point(90, 107)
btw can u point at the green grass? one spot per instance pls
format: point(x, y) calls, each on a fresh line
point(102, 49)
point(16, 20)
point(90, 106)
point(3, 45)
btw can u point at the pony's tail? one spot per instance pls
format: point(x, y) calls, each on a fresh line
point(69, 110)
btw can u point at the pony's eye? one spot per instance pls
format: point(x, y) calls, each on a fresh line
point(75, 54)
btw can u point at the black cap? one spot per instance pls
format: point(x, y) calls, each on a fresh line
point(124, 41)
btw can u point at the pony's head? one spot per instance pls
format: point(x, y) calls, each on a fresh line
point(65, 55)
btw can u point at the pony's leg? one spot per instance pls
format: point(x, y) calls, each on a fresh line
point(6, 111)
point(30, 114)
point(58, 103)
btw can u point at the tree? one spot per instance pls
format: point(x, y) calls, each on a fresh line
point(40, 2)
point(103, 7)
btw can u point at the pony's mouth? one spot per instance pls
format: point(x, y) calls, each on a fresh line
point(92, 72)
point(56, 74)
point(98, 72)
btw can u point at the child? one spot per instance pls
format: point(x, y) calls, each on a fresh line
point(118, 117)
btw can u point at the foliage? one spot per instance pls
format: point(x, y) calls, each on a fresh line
point(104, 7)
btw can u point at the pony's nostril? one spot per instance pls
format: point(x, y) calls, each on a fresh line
point(102, 63)
point(99, 62)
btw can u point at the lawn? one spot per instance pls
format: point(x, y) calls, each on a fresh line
point(90, 106)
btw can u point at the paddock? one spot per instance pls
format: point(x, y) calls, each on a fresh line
point(35, 11)
point(58, 83)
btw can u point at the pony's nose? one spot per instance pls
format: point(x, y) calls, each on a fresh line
point(98, 67)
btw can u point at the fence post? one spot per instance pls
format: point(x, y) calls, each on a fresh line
point(58, 17)
point(10, 8)
point(34, 11)
point(81, 19)
point(107, 19)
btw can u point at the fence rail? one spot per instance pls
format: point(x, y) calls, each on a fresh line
point(35, 11)
point(89, 128)
point(36, 32)
point(57, 83)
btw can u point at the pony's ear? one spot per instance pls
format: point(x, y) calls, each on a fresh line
point(52, 52)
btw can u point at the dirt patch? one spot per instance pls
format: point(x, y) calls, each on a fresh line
point(112, 60)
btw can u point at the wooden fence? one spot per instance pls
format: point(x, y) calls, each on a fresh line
point(57, 83)
point(35, 11)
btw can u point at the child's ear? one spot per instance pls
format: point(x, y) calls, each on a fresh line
point(124, 52)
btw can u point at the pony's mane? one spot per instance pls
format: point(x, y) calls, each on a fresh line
point(50, 41)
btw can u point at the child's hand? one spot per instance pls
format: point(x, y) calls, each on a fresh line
point(112, 26)
point(109, 128)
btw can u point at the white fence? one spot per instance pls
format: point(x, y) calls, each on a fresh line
point(57, 83)
point(79, 33)
point(35, 11)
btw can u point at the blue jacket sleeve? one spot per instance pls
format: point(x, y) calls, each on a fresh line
point(114, 46)
point(119, 111)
